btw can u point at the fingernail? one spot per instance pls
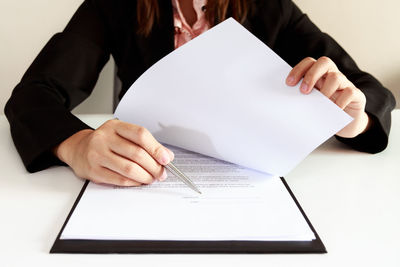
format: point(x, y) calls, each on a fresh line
point(163, 176)
point(171, 154)
point(165, 158)
point(290, 80)
point(304, 87)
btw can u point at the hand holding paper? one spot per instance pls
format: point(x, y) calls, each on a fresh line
point(323, 74)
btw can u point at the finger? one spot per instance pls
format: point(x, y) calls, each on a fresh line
point(333, 82)
point(142, 137)
point(135, 153)
point(106, 176)
point(346, 97)
point(321, 67)
point(335, 95)
point(298, 72)
point(126, 168)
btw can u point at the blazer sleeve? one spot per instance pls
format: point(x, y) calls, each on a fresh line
point(300, 38)
point(62, 76)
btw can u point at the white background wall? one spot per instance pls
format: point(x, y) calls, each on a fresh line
point(367, 29)
point(25, 27)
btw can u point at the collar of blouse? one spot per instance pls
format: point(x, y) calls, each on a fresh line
point(183, 31)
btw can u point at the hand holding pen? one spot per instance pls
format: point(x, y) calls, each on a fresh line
point(117, 153)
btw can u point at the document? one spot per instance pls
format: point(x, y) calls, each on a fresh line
point(223, 94)
point(236, 204)
point(221, 104)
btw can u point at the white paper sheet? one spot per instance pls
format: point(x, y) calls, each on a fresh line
point(235, 204)
point(223, 94)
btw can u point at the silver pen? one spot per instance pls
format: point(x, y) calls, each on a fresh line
point(180, 175)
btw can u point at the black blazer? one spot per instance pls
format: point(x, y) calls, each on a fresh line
point(66, 70)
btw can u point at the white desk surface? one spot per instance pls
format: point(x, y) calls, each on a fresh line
point(351, 198)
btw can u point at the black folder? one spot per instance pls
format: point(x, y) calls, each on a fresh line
point(162, 246)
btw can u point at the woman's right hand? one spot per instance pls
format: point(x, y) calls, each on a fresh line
point(117, 153)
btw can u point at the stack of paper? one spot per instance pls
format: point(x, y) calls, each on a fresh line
point(235, 204)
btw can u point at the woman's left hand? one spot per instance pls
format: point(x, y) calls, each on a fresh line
point(324, 75)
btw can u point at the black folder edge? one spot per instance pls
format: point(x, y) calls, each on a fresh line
point(176, 246)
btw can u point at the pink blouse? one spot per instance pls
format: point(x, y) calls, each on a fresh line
point(183, 31)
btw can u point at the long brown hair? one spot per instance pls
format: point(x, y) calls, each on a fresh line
point(148, 12)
